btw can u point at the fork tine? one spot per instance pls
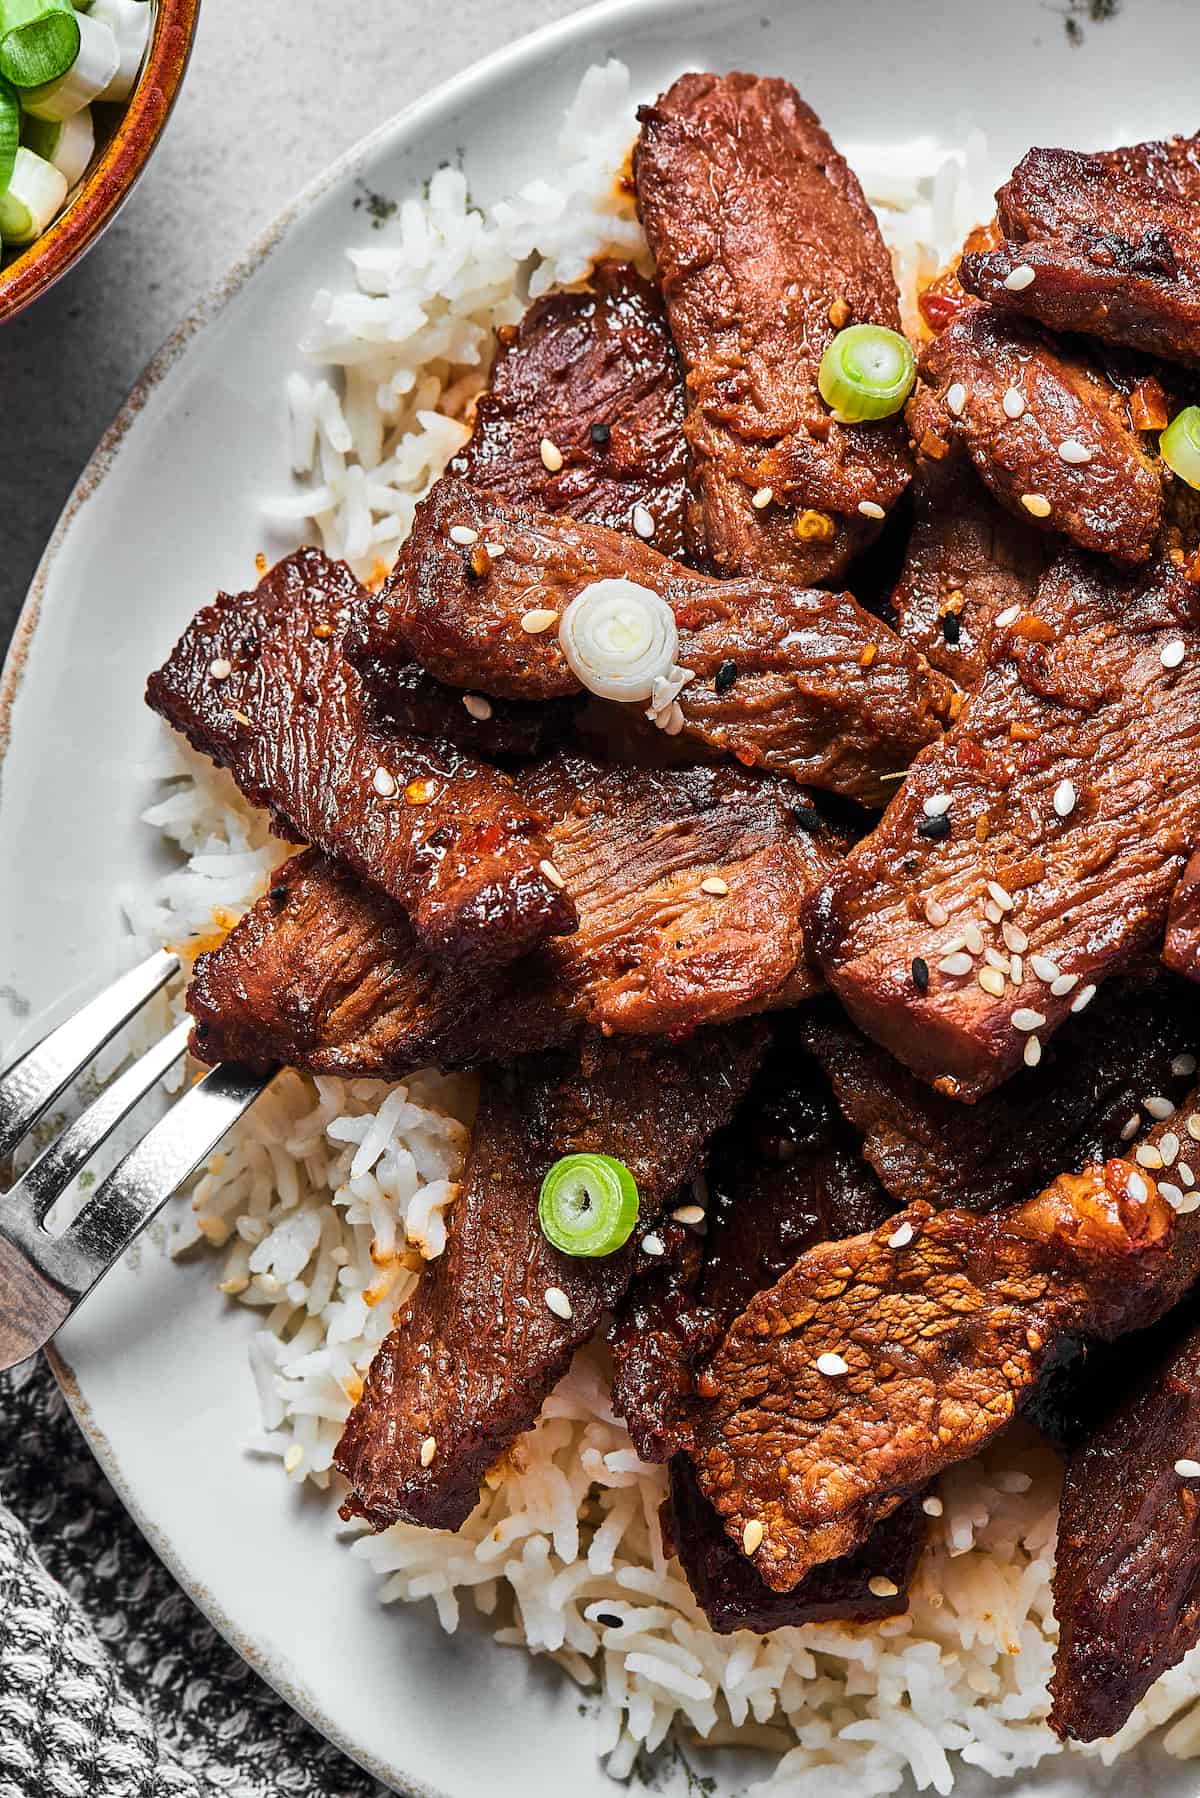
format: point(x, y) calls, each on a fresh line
point(50, 1175)
point(31, 1085)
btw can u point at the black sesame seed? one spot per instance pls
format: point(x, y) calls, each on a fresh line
point(610, 1620)
point(202, 1030)
point(278, 895)
point(600, 434)
point(920, 974)
point(808, 817)
point(725, 676)
point(951, 627)
point(935, 827)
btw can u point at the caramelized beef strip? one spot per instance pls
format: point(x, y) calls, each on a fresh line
point(868, 1584)
point(942, 1321)
point(805, 683)
point(1182, 950)
point(1112, 242)
point(592, 372)
point(477, 1348)
point(1070, 462)
point(765, 248)
point(324, 973)
point(968, 562)
point(786, 1173)
point(257, 683)
point(1065, 804)
point(411, 701)
point(1075, 1107)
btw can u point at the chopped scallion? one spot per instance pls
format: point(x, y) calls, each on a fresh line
point(866, 373)
point(67, 143)
point(91, 73)
point(588, 1205)
point(1179, 445)
point(39, 40)
point(129, 22)
point(34, 194)
point(10, 130)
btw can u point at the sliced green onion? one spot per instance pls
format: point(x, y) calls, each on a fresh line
point(867, 372)
point(1179, 445)
point(129, 22)
point(69, 144)
point(39, 40)
point(588, 1205)
point(86, 79)
point(10, 130)
point(618, 638)
point(35, 192)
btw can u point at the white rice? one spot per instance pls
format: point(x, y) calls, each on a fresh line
point(330, 1194)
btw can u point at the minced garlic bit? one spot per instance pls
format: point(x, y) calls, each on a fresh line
point(384, 783)
point(832, 1365)
point(428, 1450)
point(900, 1239)
point(558, 1302)
point(552, 874)
point(762, 498)
point(1036, 504)
point(714, 884)
point(538, 620)
point(936, 805)
point(552, 458)
point(477, 707)
point(881, 1587)
point(1008, 616)
point(755, 1530)
point(220, 669)
point(1022, 277)
point(870, 509)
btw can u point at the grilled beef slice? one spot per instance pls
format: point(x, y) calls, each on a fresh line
point(477, 1348)
point(765, 248)
point(1182, 950)
point(1076, 1106)
point(805, 683)
point(1112, 242)
point(968, 562)
point(1070, 462)
point(942, 1321)
point(592, 372)
point(1064, 804)
point(257, 683)
point(324, 973)
point(410, 701)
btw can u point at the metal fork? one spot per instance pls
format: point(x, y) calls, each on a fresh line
point(42, 1277)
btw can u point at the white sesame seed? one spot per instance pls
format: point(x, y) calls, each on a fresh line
point(1146, 1155)
point(762, 498)
point(643, 521)
point(1014, 938)
point(428, 1451)
point(1191, 1202)
point(936, 806)
point(1193, 1126)
point(463, 533)
point(900, 1239)
point(1171, 1193)
point(973, 938)
point(1022, 277)
point(1186, 1173)
point(1033, 1051)
point(1074, 452)
point(1158, 1107)
point(1008, 616)
point(954, 945)
point(552, 874)
point(1002, 898)
point(477, 706)
point(881, 1587)
point(992, 912)
point(955, 964)
point(831, 1365)
point(752, 1536)
point(1172, 653)
point(1025, 1019)
point(1083, 998)
point(293, 1458)
point(956, 399)
point(1188, 1470)
point(236, 1283)
point(1017, 970)
point(551, 455)
point(1131, 1127)
point(539, 620)
point(1066, 983)
point(869, 509)
point(714, 884)
point(689, 1214)
point(1064, 798)
point(1044, 968)
point(992, 981)
point(1013, 402)
point(558, 1302)
point(1036, 504)
point(1168, 1148)
point(932, 1507)
point(1136, 1188)
point(496, 550)
point(383, 783)
point(1183, 1065)
point(936, 914)
point(220, 669)
point(653, 1245)
point(1001, 963)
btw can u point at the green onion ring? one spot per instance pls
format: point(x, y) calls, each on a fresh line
point(1179, 445)
point(866, 373)
point(39, 40)
point(10, 130)
point(588, 1205)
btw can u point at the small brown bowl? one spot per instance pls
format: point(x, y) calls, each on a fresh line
point(116, 165)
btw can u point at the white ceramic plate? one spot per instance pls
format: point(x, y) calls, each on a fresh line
point(167, 512)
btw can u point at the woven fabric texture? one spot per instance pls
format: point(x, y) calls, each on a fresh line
point(111, 1683)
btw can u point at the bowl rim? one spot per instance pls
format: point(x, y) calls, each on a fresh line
point(112, 178)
